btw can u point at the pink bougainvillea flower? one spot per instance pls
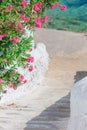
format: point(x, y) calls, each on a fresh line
point(25, 81)
point(63, 7)
point(27, 19)
point(23, 3)
point(31, 68)
point(38, 25)
point(10, 38)
point(1, 80)
point(22, 28)
point(38, 22)
point(1, 37)
point(19, 10)
point(22, 16)
point(8, 8)
point(30, 50)
point(4, 60)
point(24, 66)
point(4, 35)
point(56, 5)
point(14, 40)
point(45, 18)
point(30, 59)
point(14, 87)
point(52, 6)
point(21, 78)
point(37, 6)
point(19, 25)
point(11, 85)
point(40, 4)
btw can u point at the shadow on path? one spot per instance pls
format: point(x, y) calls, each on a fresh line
point(54, 117)
point(80, 75)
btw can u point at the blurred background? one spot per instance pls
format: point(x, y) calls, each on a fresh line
point(72, 19)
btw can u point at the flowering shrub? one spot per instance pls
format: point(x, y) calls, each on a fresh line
point(15, 16)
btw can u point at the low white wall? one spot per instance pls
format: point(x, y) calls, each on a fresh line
point(40, 66)
point(78, 116)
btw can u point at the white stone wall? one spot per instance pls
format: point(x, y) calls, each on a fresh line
point(78, 116)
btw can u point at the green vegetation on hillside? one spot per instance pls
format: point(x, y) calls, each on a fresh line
point(73, 19)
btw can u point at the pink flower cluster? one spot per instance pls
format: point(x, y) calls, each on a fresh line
point(39, 21)
point(56, 5)
point(8, 8)
point(14, 40)
point(2, 36)
point(63, 7)
point(30, 59)
point(31, 68)
point(25, 19)
point(23, 3)
point(21, 79)
point(19, 25)
point(11, 85)
point(37, 6)
point(1, 80)
point(4, 60)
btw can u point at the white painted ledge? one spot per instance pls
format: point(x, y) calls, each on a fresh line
point(40, 67)
point(78, 117)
